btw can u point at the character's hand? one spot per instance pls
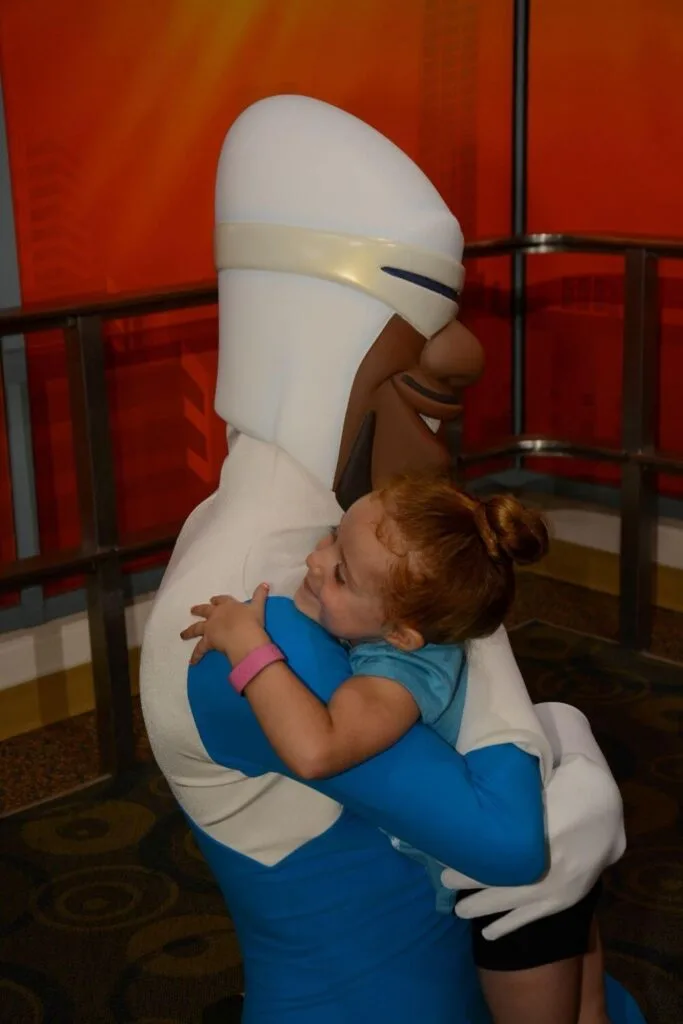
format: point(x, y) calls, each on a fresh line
point(585, 831)
point(229, 626)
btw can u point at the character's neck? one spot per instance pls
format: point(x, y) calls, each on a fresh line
point(305, 465)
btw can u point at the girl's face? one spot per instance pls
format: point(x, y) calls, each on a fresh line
point(342, 589)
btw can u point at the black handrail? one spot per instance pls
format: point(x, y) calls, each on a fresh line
point(542, 243)
point(46, 316)
point(544, 447)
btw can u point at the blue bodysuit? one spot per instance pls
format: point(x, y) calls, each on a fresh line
point(436, 677)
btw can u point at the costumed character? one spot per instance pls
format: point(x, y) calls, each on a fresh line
point(339, 276)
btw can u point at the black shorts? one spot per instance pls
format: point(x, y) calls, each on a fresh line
point(558, 937)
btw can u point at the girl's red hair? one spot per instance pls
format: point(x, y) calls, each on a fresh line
point(455, 578)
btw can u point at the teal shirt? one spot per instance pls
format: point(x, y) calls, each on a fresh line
point(436, 676)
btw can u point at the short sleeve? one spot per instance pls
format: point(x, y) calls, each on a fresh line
point(432, 675)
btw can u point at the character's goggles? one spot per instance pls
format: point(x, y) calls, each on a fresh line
point(422, 287)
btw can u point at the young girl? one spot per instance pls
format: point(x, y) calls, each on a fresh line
point(412, 573)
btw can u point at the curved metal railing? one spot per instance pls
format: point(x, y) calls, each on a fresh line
point(541, 243)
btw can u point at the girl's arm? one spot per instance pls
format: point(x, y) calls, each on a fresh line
point(366, 715)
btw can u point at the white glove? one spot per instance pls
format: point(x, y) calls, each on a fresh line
point(584, 824)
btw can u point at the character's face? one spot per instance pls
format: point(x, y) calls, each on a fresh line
point(342, 589)
point(405, 390)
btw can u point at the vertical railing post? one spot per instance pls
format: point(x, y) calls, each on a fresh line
point(18, 432)
point(640, 387)
point(520, 117)
point(97, 502)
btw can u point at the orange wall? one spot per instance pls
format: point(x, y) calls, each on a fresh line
point(605, 154)
point(116, 112)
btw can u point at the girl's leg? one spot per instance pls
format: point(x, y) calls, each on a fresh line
point(550, 994)
point(535, 975)
point(593, 1005)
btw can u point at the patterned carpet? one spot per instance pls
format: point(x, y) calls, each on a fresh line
point(109, 915)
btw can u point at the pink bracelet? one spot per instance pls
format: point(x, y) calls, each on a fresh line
point(255, 662)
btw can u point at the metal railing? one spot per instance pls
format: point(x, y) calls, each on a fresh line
point(638, 456)
point(101, 555)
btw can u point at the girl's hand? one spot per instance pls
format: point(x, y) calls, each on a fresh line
point(229, 626)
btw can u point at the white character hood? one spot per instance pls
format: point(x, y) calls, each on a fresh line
point(324, 230)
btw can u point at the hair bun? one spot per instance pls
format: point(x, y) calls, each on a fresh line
point(508, 528)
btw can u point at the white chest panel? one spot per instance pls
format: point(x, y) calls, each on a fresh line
point(265, 517)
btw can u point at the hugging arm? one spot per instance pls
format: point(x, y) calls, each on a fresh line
point(585, 827)
point(481, 813)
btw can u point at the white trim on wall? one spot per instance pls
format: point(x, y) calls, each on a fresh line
point(60, 644)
